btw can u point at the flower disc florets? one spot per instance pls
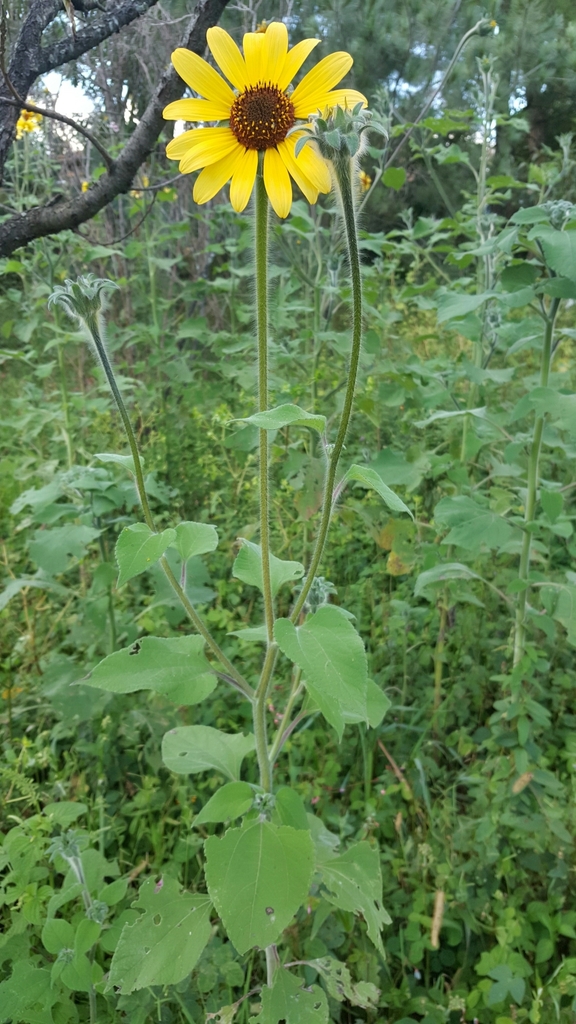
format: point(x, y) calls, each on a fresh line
point(261, 116)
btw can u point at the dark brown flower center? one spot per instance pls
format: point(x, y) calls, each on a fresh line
point(261, 116)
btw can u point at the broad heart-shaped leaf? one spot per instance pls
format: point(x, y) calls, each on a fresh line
point(137, 548)
point(164, 944)
point(285, 416)
point(195, 539)
point(560, 408)
point(559, 249)
point(176, 668)
point(370, 478)
point(258, 877)
point(472, 524)
point(332, 657)
point(230, 801)
point(199, 748)
point(248, 567)
point(290, 1000)
point(377, 704)
point(353, 881)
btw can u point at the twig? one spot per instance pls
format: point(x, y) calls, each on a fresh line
point(46, 112)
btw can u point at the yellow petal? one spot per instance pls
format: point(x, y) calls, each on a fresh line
point(196, 137)
point(277, 182)
point(274, 52)
point(253, 46)
point(243, 179)
point(198, 74)
point(207, 152)
point(286, 151)
point(347, 98)
point(228, 56)
point(320, 79)
point(214, 177)
point(196, 110)
point(294, 61)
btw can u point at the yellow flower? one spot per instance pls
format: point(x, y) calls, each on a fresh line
point(260, 111)
point(365, 180)
point(27, 122)
point(85, 186)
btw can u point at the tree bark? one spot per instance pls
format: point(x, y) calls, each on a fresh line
point(62, 214)
point(29, 59)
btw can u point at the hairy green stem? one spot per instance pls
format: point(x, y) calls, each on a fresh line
point(295, 692)
point(532, 490)
point(242, 684)
point(343, 171)
point(259, 718)
point(261, 247)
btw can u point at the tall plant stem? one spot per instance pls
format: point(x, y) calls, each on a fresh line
point(195, 619)
point(343, 172)
point(532, 490)
point(261, 247)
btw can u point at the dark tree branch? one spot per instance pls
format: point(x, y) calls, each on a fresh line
point(70, 213)
point(29, 59)
point(71, 47)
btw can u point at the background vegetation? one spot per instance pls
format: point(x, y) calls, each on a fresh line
point(468, 785)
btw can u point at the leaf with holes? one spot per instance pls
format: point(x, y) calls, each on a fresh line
point(248, 568)
point(290, 1000)
point(338, 981)
point(353, 881)
point(199, 748)
point(164, 944)
point(175, 667)
point(258, 877)
point(137, 548)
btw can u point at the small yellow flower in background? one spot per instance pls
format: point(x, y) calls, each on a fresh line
point(260, 113)
point(85, 186)
point(365, 180)
point(27, 122)
point(145, 181)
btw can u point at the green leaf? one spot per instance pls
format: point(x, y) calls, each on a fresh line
point(138, 548)
point(394, 177)
point(199, 748)
point(443, 414)
point(552, 502)
point(285, 416)
point(195, 539)
point(175, 667)
point(472, 524)
point(518, 276)
point(559, 288)
point(15, 586)
point(332, 657)
point(560, 601)
point(353, 881)
point(250, 633)
point(371, 478)
point(290, 808)
point(248, 568)
point(165, 943)
point(27, 986)
point(338, 981)
point(126, 461)
point(529, 215)
point(52, 549)
point(440, 573)
point(378, 704)
point(291, 1001)
point(559, 250)
point(230, 801)
point(258, 877)
point(453, 304)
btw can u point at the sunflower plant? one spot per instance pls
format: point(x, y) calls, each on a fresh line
point(274, 856)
